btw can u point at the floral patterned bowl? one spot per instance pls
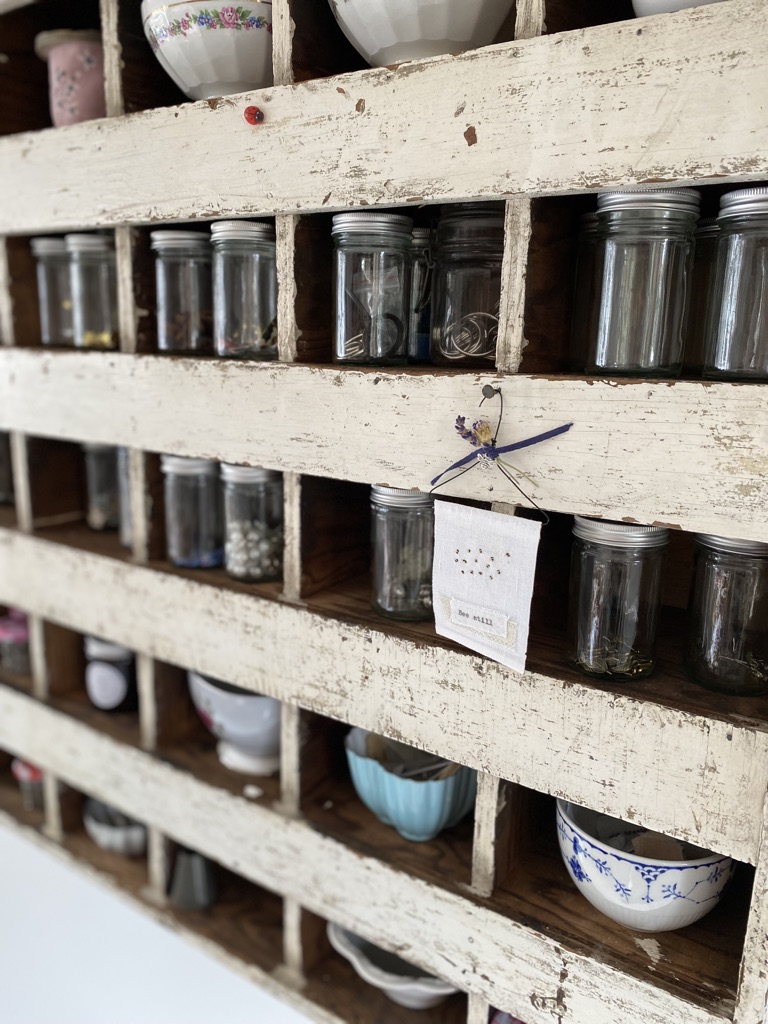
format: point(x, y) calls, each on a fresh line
point(211, 48)
point(648, 893)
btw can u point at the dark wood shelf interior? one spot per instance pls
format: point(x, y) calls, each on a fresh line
point(12, 801)
point(122, 726)
point(128, 873)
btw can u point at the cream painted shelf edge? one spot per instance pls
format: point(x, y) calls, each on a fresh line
point(692, 455)
point(477, 949)
point(575, 112)
point(698, 778)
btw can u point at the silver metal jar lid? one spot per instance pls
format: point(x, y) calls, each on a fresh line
point(233, 474)
point(188, 467)
point(681, 199)
point(48, 246)
point(744, 200)
point(734, 544)
point(104, 650)
point(246, 230)
point(707, 227)
point(378, 223)
point(398, 497)
point(163, 240)
point(421, 236)
point(97, 446)
point(619, 535)
point(480, 215)
point(89, 243)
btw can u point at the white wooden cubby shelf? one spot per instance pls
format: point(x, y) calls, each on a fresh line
point(541, 121)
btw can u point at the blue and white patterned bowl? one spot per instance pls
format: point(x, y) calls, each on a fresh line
point(645, 893)
point(418, 810)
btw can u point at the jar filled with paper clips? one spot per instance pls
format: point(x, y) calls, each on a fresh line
point(403, 528)
point(372, 287)
point(244, 290)
point(615, 598)
point(467, 284)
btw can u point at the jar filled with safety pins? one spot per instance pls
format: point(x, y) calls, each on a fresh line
point(183, 286)
point(253, 516)
point(193, 512)
point(421, 296)
point(615, 598)
point(403, 543)
point(372, 287)
point(244, 289)
point(467, 284)
point(54, 290)
point(94, 290)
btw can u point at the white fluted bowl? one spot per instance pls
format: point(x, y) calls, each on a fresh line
point(645, 893)
point(392, 31)
point(112, 830)
point(211, 48)
point(643, 8)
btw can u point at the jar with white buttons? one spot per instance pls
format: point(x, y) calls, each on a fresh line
point(193, 512)
point(403, 548)
point(244, 290)
point(94, 290)
point(110, 675)
point(253, 517)
point(54, 290)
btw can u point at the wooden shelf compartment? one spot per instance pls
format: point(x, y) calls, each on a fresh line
point(12, 801)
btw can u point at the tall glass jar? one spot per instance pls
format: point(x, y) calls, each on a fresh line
point(253, 517)
point(467, 284)
point(244, 289)
point(124, 496)
point(193, 513)
point(110, 675)
point(183, 285)
point(421, 296)
point(615, 598)
point(103, 510)
point(6, 474)
point(94, 290)
point(584, 293)
point(736, 345)
point(54, 290)
point(702, 288)
point(372, 286)
point(644, 256)
point(727, 647)
point(403, 547)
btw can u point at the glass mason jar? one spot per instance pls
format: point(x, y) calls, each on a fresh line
point(467, 284)
point(183, 285)
point(253, 518)
point(736, 346)
point(702, 287)
point(193, 513)
point(727, 646)
point(584, 293)
point(615, 598)
point(54, 290)
point(244, 289)
point(94, 290)
point(124, 497)
point(110, 675)
point(6, 473)
point(421, 295)
point(103, 509)
point(644, 257)
point(372, 285)
point(403, 546)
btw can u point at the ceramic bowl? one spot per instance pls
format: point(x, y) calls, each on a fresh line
point(643, 8)
point(75, 74)
point(648, 893)
point(391, 31)
point(112, 830)
point(400, 981)
point(246, 724)
point(211, 48)
point(418, 810)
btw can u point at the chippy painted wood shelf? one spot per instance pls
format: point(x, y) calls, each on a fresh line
point(487, 906)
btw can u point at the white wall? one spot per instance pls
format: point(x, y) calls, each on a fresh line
point(72, 952)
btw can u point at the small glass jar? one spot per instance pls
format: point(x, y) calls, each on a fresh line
point(54, 290)
point(94, 290)
point(103, 511)
point(124, 497)
point(244, 290)
point(193, 512)
point(14, 644)
point(403, 547)
point(253, 517)
point(644, 257)
point(184, 296)
point(467, 284)
point(727, 647)
point(372, 285)
point(736, 346)
point(702, 288)
point(110, 675)
point(615, 598)
point(421, 297)
point(584, 294)
point(6, 472)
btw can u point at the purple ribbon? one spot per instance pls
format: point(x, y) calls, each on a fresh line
point(490, 451)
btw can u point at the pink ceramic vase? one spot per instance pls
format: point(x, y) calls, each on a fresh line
point(75, 74)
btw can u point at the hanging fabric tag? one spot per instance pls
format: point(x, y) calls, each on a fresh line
point(482, 580)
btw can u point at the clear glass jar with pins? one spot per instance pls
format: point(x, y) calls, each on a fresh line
point(643, 261)
point(54, 290)
point(193, 512)
point(467, 284)
point(94, 290)
point(244, 289)
point(253, 518)
point(372, 288)
point(403, 528)
point(615, 598)
point(183, 287)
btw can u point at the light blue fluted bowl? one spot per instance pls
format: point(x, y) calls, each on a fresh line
point(418, 810)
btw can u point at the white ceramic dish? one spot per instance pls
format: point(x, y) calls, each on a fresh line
point(643, 8)
point(400, 981)
point(211, 48)
point(246, 724)
point(114, 831)
point(392, 31)
point(649, 893)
